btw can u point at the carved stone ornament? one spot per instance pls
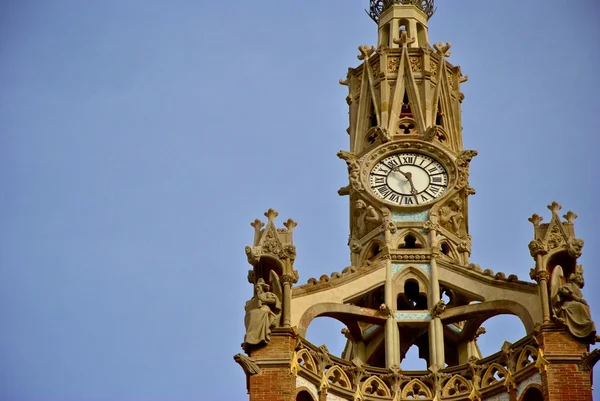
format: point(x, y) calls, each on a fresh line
point(387, 223)
point(386, 311)
point(574, 248)
point(353, 170)
point(263, 312)
point(367, 218)
point(462, 161)
point(568, 305)
point(537, 247)
point(542, 275)
point(248, 365)
point(438, 309)
point(451, 215)
point(430, 225)
point(465, 245)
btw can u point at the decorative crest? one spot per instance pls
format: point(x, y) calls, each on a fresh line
point(378, 7)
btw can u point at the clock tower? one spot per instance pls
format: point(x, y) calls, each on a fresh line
point(411, 281)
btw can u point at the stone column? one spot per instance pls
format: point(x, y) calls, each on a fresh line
point(287, 280)
point(541, 277)
point(436, 330)
point(392, 336)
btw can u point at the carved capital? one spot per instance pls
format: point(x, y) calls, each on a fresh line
point(589, 360)
point(429, 226)
point(541, 275)
point(288, 279)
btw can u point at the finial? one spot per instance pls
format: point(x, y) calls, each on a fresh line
point(378, 7)
point(404, 40)
point(535, 219)
point(443, 48)
point(554, 207)
point(570, 217)
point(271, 214)
point(290, 224)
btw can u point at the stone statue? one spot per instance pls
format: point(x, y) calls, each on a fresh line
point(367, 218)
point(263, 311)
point(568, 305)
point(451, 215)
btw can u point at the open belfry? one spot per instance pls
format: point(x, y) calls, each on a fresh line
point(408, 190)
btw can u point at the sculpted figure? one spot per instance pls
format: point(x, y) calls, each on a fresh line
point(451, 215)
point(367, 217)
point(263, 311)
point(568, 305)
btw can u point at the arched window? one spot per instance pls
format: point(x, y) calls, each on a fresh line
point(304, 395)
point(533, 394)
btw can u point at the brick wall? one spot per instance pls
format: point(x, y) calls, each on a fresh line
point(276, 382)
point(563, 379)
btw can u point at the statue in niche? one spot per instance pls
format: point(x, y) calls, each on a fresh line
point(367, 218)
point(568, 305)
point(451, 215)
point(263, 311)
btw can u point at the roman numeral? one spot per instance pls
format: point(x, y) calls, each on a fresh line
point(379, 180)
point(431, 170)
point(408, 200)
point(408, 159)
point(424, 198)
point(436, 179)
point(434, 190)
point(395, 197)
point(391, 163)
point(384, 191)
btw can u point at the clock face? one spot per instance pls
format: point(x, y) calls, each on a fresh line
point(408, 179)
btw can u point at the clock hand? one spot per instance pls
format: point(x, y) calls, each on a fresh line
point(413, 190)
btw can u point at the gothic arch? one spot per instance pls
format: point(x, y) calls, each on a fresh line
point(533, 392)
point(375, 386)
point(416, 389)
point(456, 385)
point(476, 314)
point(373, 248)
point(447, 248)
point(408, 273)
point(400, 239)
point(349, 315)
point(335, 375)
point(303, 394)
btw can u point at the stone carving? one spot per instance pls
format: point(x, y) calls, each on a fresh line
point(248, 365)
point(263, 312)
point(463, 161)
point(367, 218)
point(387, 223)
point(451, 215)
point(386, 311)
point(353, 170)
point(438, 309)
point(568, 305)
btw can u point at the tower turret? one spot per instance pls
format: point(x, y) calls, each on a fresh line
point(396, 16)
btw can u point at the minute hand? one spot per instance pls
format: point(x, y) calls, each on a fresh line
point(413, 191)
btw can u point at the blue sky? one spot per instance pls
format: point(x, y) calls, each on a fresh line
point(140, 138)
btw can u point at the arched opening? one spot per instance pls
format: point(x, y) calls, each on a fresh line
point(327, 331)
point(373, 251)
point(410, 242)
point(304, 395)
point(412, 298)
point(532, 394)
point(499, 329)
point(264, 267)
point(564, 260)
point(445, 249)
